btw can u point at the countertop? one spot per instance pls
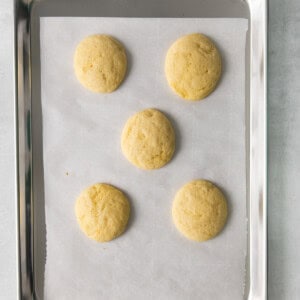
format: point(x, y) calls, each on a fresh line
point(283, 151)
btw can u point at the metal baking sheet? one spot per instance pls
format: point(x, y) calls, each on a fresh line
point(30, 194)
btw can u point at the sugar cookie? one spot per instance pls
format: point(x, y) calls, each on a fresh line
point(100, 63)
point(148, 139)
point(199, 210)
point(193, 66)
point(102, 212)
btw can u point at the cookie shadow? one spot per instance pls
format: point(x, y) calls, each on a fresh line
point(229, 207)
point(132, 215)
point(178, 136)
point(223, 63)
point(129, 62)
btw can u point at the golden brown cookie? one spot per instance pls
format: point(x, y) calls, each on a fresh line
point(193, 66)
point(100, 63)
point(102, 212)
point(148, 139)
point(199, 210)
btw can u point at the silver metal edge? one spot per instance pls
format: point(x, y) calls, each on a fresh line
point(258, 150)
point(22, 67)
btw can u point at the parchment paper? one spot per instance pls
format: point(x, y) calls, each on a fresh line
point(81, 144)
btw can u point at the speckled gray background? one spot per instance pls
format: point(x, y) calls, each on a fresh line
point(284, 152)
point(284, 149)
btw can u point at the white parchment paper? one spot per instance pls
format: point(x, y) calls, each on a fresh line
point(81, 144)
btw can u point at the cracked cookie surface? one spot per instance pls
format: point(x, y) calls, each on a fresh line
point(100, 63)
point(102, 212)
point(148, 139)
point(193, 66)
point(199, 210)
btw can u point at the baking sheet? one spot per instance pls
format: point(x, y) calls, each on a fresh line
point(81, 144)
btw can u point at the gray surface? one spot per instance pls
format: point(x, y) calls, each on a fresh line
point(284, 149)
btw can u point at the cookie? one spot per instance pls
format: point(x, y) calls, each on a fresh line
point(102, 212)
point(100, 63)
point(199, 210)
point(193, 66)
point(148, 139)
